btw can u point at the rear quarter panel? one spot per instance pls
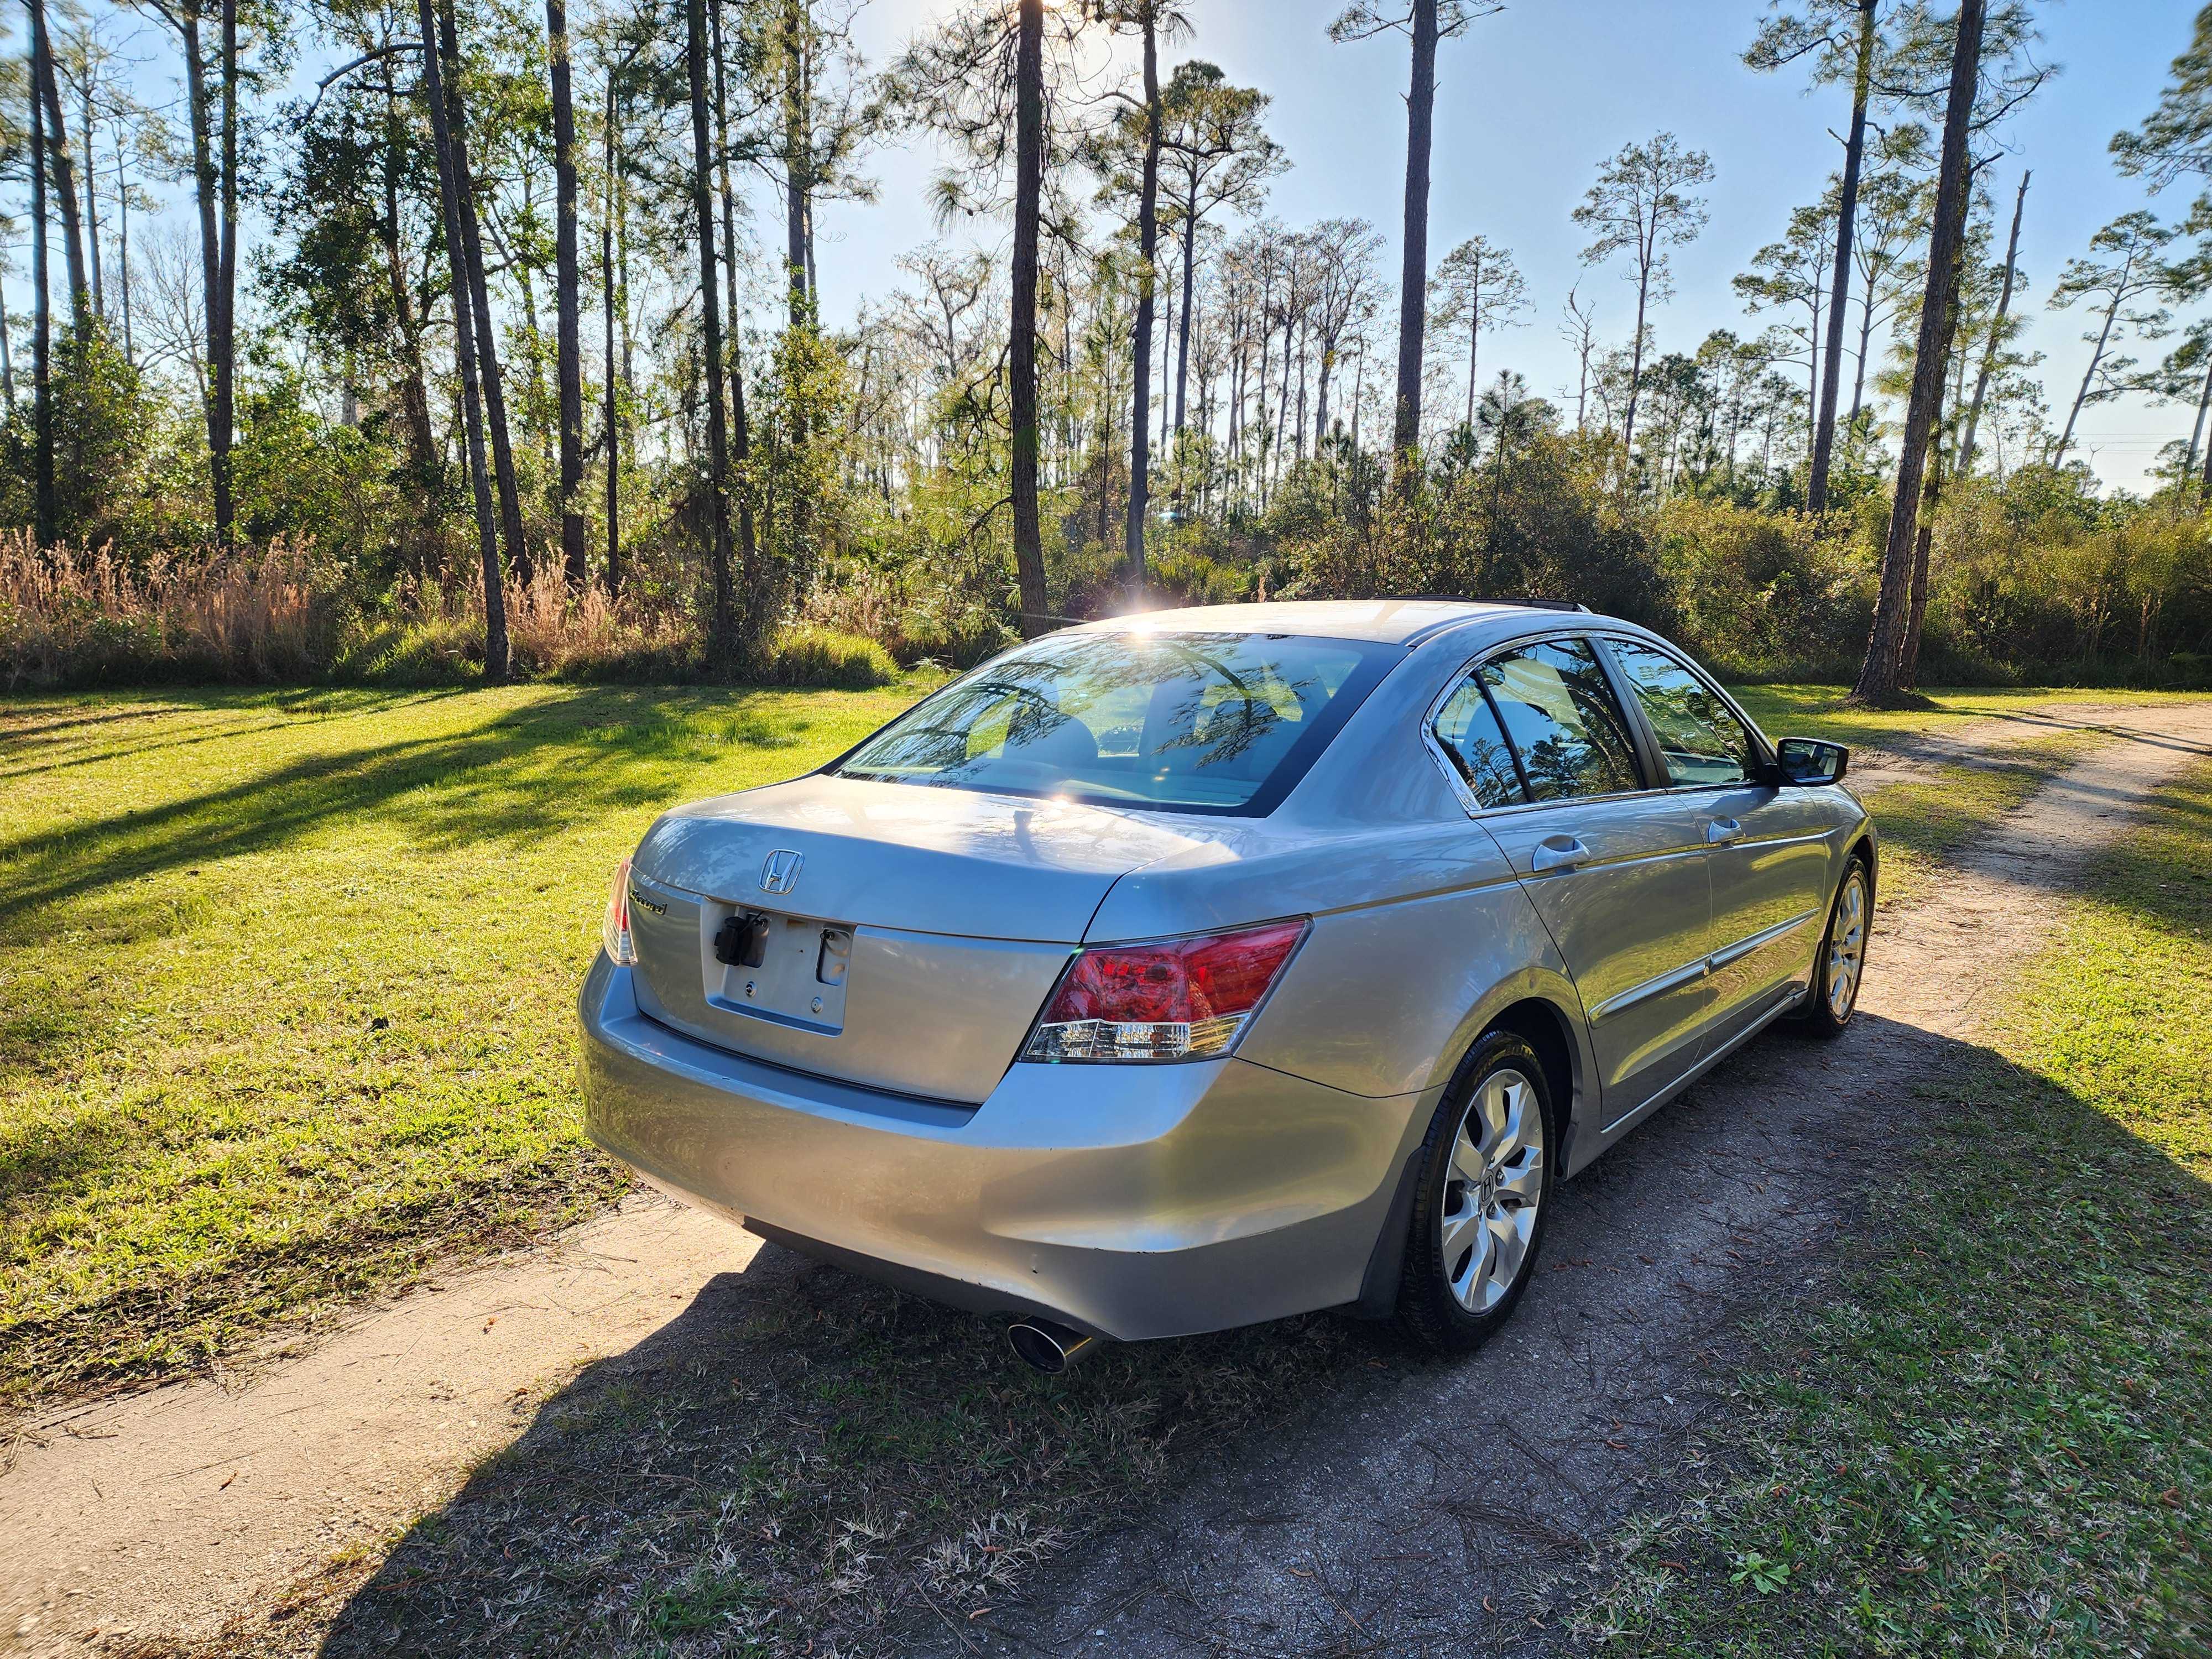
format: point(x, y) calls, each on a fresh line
point(1417, 930)
point(1421, 933)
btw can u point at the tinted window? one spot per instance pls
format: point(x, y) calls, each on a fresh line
point(1560, 714)
point(1468, 730)
point(1702, 738)
point(1186, 722)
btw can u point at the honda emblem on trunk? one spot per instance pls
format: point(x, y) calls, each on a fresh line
point(781, 874)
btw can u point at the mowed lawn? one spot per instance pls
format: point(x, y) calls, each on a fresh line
point(285, 979)
point(286, 985)
point(1994, 1436)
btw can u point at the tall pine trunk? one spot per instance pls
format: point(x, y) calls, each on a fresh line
point(1021, 349)
point(479, 300)
point(63, 169)
point(610, 416)
point(722, 642)
point(204, 186)
point(798, 156)
point(2197, 432)
point(91, 196)
point(1644, 255)
point(1413, 276)
point(2096, 361)
point(1182, 327)
point(2204, 479)
point(450, 189)
point(1148, 238)
point(123, 246)
point(569, 321)
point(1327, 369)
point(741, 439)
point(42, 308)
point(1474, 344)
point(424, 461)
point(222, 327)
point(1931, 498)
point(1997, 333)
point(1839, 290)
point(1878, 680)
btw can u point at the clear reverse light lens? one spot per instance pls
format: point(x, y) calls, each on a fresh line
point(614, 930)
point(1181, 999)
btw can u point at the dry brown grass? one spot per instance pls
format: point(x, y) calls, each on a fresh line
point(432, 631)
point(285, 614)
point(80, 615)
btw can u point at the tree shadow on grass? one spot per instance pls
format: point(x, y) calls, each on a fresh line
point(206, 717)
point(551, 762)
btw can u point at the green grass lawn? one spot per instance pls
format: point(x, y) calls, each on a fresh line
point(285, 979)
point(1820, 711)
point(286, 983)
point(1924, 821)
point(1997, 1438)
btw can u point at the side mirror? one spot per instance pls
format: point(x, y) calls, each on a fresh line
point(1810, 761)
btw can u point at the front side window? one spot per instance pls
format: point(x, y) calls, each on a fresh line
point(1222, 723)
point(1702, 738)
point(1468, 729)
point(1562, 720)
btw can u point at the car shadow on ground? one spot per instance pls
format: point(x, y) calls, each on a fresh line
point(796, 1452)
point(803, 1456)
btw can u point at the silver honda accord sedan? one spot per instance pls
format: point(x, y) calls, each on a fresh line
point(1185, 970)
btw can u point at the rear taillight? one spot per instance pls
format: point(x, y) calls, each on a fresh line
point(614, 931)
point(1178, 998)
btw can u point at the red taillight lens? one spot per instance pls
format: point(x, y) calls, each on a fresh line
point(1180, 999)
point(614, 930)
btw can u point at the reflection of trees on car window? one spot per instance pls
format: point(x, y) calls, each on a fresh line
point(1703, 739)
point(1563, 721)
point(1470, 734)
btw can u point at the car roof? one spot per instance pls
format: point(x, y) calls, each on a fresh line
point(1393, 622)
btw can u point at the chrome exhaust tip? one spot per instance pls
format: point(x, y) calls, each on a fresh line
point(1051, 1348)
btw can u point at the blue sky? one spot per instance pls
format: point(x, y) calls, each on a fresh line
point(1533, 99)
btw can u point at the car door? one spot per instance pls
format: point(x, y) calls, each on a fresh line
point(1771, 847)
point(1616, 869)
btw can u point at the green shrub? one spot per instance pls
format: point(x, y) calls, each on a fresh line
point(808, 654)
point(1194, 578)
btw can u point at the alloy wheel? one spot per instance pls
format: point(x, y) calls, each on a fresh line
point(1847, 945)
point(1491, 1195)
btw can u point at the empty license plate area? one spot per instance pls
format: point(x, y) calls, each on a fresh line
point(791, 971)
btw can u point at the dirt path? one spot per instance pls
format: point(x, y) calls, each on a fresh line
point(1986, 741)
point(1387, 1516)
point(1412, 1518)
point(168, 1511)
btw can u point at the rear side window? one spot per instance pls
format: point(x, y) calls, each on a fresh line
point(1466, 729)
point(1562, 720)
point(1703, 740)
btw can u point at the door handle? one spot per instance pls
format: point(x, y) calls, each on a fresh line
point(1557, 853)
point(1723, 830)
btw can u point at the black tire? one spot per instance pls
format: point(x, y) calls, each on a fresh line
point(1837, 974)
point(1431, 1309)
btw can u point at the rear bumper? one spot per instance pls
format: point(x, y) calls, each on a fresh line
point(1134, 1201)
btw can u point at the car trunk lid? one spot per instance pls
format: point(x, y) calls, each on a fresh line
point(891, 935)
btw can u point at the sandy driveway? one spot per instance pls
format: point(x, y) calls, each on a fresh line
point(1387, 1518)
point(1414, 1521)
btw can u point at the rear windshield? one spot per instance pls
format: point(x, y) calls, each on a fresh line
point(1223, 723)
